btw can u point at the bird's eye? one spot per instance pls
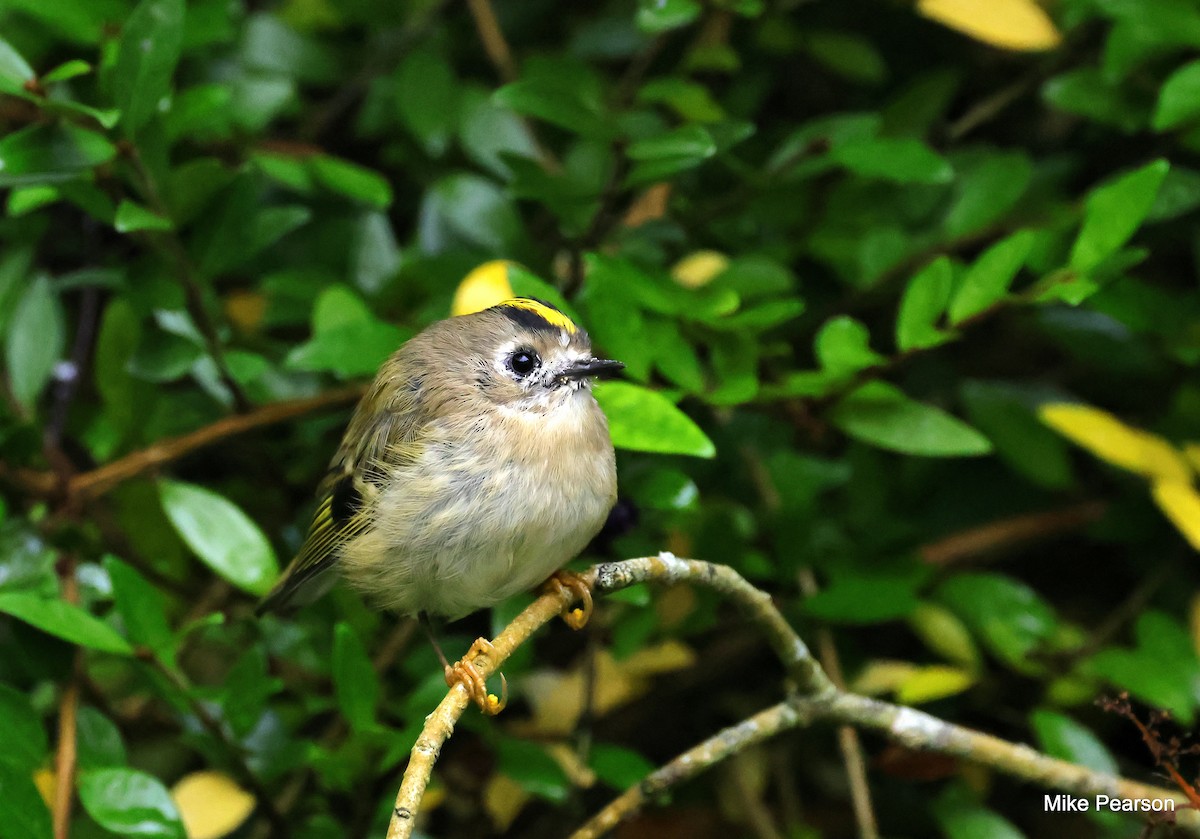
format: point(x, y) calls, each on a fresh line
point(523, 362)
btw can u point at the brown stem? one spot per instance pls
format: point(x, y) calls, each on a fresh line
point(1010, 532)
point(68, 709)
point(101, 480)
point(492, 37)
point(170, 246)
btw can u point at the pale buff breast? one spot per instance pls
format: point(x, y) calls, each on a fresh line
point(494, 507)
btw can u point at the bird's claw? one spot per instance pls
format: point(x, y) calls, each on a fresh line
point(561, 582)
point(465, 672)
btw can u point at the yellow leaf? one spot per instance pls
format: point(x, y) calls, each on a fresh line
point(211, 804)
point(1109, 439)
point(483, 288)
point(46, 781)
point(934, 682)
point(1178, 499)
point(1191, 451)
point(558, 698)
point(882, 676)
point(1008, 24)
point(675, 604)
point(945, 634)
point(503, 798)
point(245, 309)
point(569, 761)
point(699, 268)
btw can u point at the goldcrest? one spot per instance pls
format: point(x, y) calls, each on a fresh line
point(477, 464)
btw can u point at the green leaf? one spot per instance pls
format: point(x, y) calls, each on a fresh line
point(987, 280)
point(66, 71)
point(14, 70)
point(961, 818)
point(25, 813)
point(1007, 416)
point(644, 420)
point(25, 745)
point(654, 16)
point(1011, 618)
point(130, 803)
point(489, 132)
point(34, 342)
point(1161, 669)
point(44, 154)
point(985, 190)
point(99, 740)
point(618, 767)
point(1113, 213)
point(530, 766)
point(348, 340)
point(356, 182)
point(1179, 98)
point(354, 681)
point(561, 104)
point(147, 53)
point(881, 415)
point(665, 154)
point(866, 597)
point(922, 306)
point(426, 98)
point(1090, 93)
point(132, 217)
point(64, 620)
point(469, 208)
point(901, 160)
point(842, 347)
point(143, 609)
point(1062, 737)
point(221, 535)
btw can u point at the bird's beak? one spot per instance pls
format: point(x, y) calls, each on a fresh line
point(591, 367)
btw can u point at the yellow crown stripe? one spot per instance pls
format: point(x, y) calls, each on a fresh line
point(552, 316)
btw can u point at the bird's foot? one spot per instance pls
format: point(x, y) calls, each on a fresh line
point(564, 581)
point(465, 672)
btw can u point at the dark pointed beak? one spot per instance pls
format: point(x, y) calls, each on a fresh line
point(592, 367)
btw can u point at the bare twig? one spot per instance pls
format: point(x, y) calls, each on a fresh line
point(1010, 532)
point(492, 38)
point(756, 729)
point(171, 248)
point(816, 699)
point(848, 744)
point(610, 576)
point(68, 708)
point(101, 480)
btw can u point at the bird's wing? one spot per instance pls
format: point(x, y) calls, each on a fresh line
point(375, 443)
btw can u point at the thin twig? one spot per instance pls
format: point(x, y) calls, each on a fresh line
point(848, 743)
point(610, 576)
point(280, 826)
point(815, 699)
point(171, 247)
point(103, 479)
point(1010, 532)
point(730, 741)
point(912, 728)
point(65, 755)
point(492, 38)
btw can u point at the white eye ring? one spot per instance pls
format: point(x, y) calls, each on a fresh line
point(523, 361)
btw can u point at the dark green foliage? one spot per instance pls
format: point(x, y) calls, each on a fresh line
point(847, 256)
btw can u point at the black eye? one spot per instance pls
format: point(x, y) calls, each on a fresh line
point(523, 362)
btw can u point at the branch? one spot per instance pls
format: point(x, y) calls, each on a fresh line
point(816, 699)
point(101, 480)
point(756, 729)
point(492, 36)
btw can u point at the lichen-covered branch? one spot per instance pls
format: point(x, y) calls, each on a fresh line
point(815, 699)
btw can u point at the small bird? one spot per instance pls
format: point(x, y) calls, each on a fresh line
point(476, 466)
